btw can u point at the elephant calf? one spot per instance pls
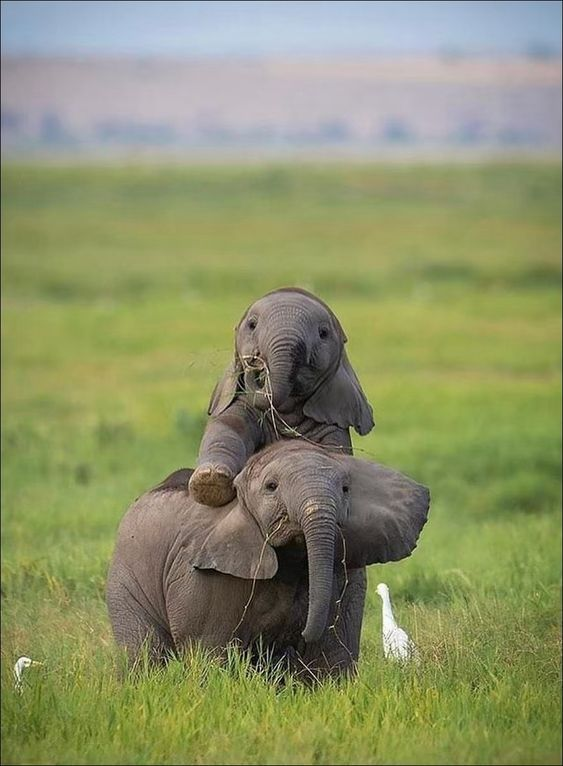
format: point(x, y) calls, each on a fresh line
point(290, 377)
point(283, 564)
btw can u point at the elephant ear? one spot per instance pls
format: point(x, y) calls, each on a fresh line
point(387, 513)
point(237, 547)
point(226, 389)
point(340, 400)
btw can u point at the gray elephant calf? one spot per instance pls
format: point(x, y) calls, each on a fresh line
point(283, 564)
point(290, 376)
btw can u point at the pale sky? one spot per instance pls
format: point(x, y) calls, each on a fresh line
point(281, 27)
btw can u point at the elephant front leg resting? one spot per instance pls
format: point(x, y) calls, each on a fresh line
point(227, 443)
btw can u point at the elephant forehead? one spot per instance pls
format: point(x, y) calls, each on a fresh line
point(313, 468)
point(289, 305)
point(296, 460)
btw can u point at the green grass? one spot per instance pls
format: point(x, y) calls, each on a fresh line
point(121, 287)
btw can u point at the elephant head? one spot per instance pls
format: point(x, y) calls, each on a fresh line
point(289, 349)
point(294, 492)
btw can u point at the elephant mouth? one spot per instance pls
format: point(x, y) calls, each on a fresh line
point(270, 386)
point(259, 379)
point(256, 377)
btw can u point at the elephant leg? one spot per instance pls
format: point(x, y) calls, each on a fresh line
point(333, 436)
point(229, 440)
point(337, 652)
point(134, 630)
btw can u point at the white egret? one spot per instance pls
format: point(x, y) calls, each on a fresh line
point(19, 667)
point(397, 644)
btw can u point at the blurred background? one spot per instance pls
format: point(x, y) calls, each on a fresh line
point(163, 165)
point(324, 78)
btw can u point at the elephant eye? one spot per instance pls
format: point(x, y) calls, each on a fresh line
point(252, 322)
point(345, 489)
point(271, 485)
point(323, 332)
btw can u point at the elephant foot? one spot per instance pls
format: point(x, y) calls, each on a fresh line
point(212, 485)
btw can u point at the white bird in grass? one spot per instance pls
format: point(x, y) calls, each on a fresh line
point(19, 667)
point(397, 644)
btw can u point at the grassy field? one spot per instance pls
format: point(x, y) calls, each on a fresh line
point(121, 286)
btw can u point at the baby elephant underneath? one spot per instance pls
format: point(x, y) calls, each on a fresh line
point(282, 565)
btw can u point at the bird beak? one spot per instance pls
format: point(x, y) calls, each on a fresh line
point(36, 662)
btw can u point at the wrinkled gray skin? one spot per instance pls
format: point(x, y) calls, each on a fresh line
point(311, 390)
point(269, 565)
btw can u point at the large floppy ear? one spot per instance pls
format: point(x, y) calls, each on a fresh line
point(237, 547)
point(340, 400)
point(226, 389)
point(387, 513)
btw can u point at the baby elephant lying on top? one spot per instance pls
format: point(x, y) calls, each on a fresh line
point(290, 376)
point(282, 564)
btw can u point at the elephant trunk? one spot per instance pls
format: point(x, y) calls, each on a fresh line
point(281, 364)
point(319, 528)
point(281, 356)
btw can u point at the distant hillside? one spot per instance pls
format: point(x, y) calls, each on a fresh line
point(53, 105)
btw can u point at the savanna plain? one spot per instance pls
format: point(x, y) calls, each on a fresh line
point(121, 288)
